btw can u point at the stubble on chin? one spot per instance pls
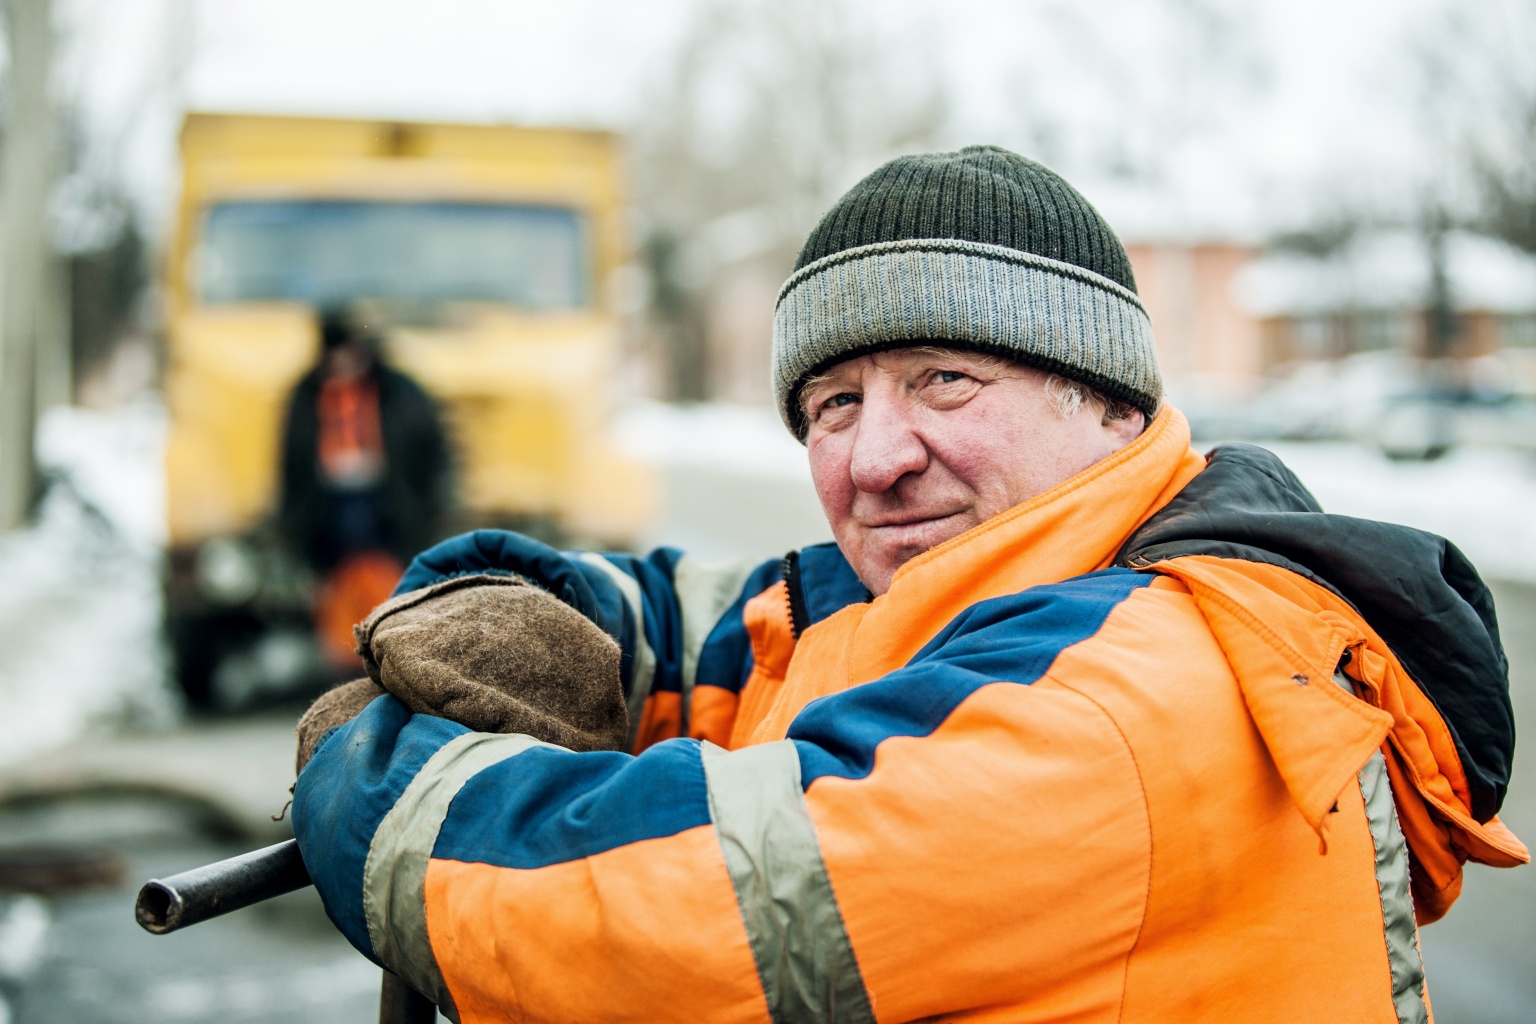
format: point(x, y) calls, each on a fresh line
point(878, 559)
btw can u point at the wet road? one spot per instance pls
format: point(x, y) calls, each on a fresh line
point(1481, 959)
point(280, 962)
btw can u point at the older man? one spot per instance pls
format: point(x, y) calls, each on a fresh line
point(1072, 723)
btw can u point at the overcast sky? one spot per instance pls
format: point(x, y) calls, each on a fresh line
point(1296, 99)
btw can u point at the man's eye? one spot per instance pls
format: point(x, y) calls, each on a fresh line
point(838, 401)
point(948, 376)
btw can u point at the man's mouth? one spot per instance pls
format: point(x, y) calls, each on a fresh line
point(918, 533)
point(910, 520)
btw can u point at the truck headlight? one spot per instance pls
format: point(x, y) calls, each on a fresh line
point(228, 571)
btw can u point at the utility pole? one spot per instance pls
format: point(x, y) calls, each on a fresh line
point(1445, 365)
point(30, 297)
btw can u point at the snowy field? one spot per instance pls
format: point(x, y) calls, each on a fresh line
point(80, 592)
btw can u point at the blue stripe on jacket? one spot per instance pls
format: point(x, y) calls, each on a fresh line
point(547, 806)
point(1012, 639)
point(355, 776)
point(659, 606)
point(828, 582)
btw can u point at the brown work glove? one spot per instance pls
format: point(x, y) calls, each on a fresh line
point(333, 708)
point(498, 654)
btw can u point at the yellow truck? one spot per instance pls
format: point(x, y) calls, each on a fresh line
point(489, 257)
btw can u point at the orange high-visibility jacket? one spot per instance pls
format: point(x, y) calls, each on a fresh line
point(1126, 752)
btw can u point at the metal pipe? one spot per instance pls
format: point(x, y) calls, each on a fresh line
point(164, 905)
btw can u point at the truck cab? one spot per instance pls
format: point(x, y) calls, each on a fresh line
point(485, 256)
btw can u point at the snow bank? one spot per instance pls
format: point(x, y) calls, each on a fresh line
point(734, 482)
point(80, 588)
point(736, 438)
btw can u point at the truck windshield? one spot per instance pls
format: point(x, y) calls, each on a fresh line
point(329, 252)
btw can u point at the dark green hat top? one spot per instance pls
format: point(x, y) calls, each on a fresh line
point(981, 194)
point(981, 249)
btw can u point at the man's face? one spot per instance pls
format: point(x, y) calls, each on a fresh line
point(914, 446)
point(348, 360)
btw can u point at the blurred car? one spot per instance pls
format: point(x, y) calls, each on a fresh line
point(1427, 423)
point(1384, 400)
point(484, 255)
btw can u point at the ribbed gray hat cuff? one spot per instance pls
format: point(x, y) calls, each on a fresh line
point(990, 298)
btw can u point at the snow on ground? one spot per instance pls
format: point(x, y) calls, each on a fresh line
point(745, 439)
point(734, 481)
point(113, 459)
point(80, 588)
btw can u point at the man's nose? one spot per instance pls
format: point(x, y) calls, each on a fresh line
point(887, 447)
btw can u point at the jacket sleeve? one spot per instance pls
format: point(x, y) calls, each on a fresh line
point(297, 505)
point(678, 620)
point(965, 831)
point(421, 463)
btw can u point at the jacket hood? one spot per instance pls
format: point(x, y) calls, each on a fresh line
point(1416, 590)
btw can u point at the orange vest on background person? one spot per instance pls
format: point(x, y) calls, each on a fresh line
point(1022, 785)
point(351, 457)
point(357, 585)
point(351, 444)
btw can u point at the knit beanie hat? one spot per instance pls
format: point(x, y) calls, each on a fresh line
point(981, 250)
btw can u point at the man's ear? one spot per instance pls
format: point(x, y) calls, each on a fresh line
point(1122, 430)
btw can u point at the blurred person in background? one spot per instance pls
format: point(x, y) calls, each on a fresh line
point(1071, 722)
point(365, 478)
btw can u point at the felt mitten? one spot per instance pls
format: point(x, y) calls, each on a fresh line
point(335, 707)
point(498, 654)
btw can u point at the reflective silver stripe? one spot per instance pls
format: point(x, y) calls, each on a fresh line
point(1398, 926)
point(705, 589)
point(804, 960)
point(642, 672)
point(395, 874)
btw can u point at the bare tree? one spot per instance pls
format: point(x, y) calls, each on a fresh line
point(98, 222)
point(771, 109)
point(1476, 106)
point(1119, 87)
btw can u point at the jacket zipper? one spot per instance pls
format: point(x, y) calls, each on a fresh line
point(794, 586)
